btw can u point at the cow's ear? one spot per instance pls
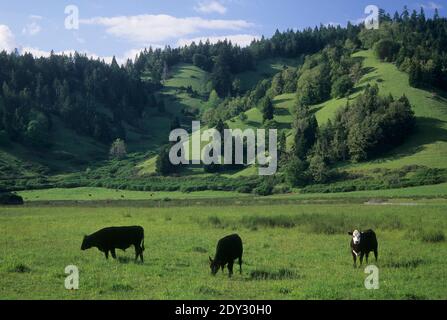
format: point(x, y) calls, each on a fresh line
point(350, 233)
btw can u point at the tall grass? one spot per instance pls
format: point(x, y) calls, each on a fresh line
point(328, 224)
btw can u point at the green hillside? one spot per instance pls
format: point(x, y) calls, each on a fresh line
point(427, 146)
point(71, 152)
point(265, 69)
point(181, 77)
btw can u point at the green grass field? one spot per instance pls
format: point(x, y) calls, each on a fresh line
point(100, 194)
point(95, 194)
point(291, 252)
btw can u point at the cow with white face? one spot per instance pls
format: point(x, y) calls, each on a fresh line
point(362, 243)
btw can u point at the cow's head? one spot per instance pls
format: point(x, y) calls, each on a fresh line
point(85, 244)
point(355, 236)
point(214, 266)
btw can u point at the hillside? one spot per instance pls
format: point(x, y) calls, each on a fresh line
point(68, 145)
point(71, 151)
point(426, 147)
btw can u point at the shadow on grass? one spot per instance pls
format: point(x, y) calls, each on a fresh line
point(283, 100)
point(282, 112)
point(428, 131)
point(127, 260)
point(253, 124)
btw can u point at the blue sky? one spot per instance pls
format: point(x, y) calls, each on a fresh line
point(122, 28)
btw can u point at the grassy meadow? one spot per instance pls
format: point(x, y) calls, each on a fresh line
point(104, 194)
point(290, 252)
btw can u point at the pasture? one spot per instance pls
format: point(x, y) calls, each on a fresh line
point(290, 252)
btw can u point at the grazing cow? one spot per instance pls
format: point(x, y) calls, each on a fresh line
point(362, 243)
point(228, 249)
point(109, 239)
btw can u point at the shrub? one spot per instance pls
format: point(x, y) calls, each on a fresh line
point(386, 50)
point(342, 87)
point(265, 188)
point(10, 199)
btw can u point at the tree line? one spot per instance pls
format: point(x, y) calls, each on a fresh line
point(417, 44)
point(91, 97)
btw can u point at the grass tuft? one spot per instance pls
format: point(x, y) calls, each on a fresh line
point(406, 263)
point(281, 274)
point(20, 268)
point(199, 250)
point(208, 291)
point(122, 287)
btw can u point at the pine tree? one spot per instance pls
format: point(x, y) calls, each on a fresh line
point(306, 128)
point(163, 165)
point(268, 110)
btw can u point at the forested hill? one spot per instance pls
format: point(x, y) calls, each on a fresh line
point(61, 114)
point(96, 99)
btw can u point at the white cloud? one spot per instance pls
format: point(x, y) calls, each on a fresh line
point(8, 43)
point(241, 40)
point(36, 17)
point(149, 29)
point(38, 53)
point(431, 5)
point(211, 7)
point(7, 39)
point(32, 28)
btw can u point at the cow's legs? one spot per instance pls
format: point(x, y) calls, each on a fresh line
point(113, 253)
point(367, 257)
point(230, 268)
point(138, 253)
point(376, 254)
point(354, 257)
point(141, 254)
point(107, 254)
point(240, 265)
point(361, 258)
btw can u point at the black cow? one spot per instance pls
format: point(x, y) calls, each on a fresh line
point(109, 239)
point(362, 243)
point(228, 249)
